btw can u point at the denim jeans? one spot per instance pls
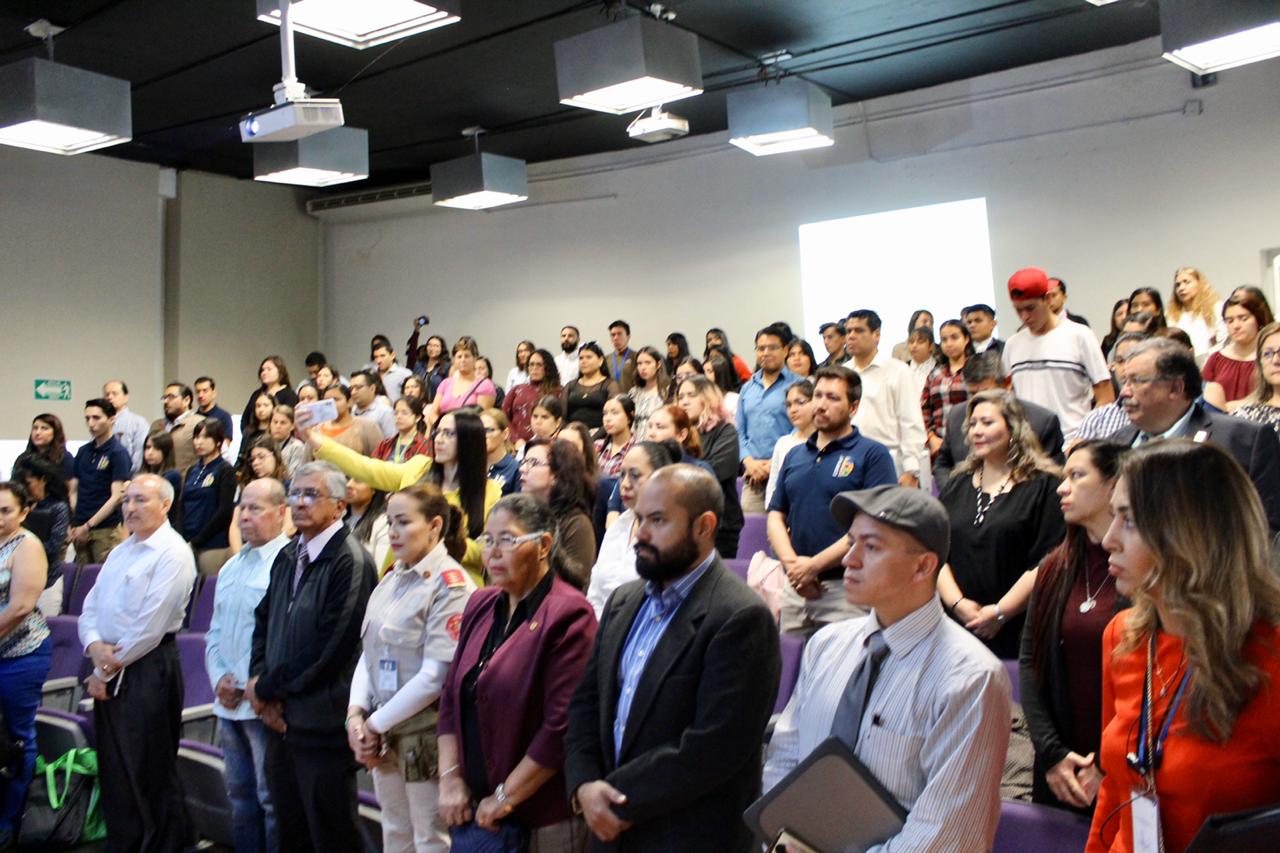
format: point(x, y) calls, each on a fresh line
point(244, 752)
point(20, 681)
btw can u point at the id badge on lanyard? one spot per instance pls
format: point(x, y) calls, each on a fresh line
point(388, 681)
point(1145, 803)
point(1147, 837)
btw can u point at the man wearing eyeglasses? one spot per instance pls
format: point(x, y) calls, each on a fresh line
point(762, 415)
point(180, 422)
point(306, 642)
point(1160, 391)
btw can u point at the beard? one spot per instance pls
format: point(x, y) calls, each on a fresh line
point(568, 347)
point(659, 566)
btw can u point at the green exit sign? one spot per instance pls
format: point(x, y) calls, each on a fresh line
point(53, 389)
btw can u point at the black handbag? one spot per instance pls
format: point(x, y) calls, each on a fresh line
point(62, 804)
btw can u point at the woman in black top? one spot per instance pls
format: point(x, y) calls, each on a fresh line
point(49, 439)
point(704, 404)
point(208, 498)
point(677, 351)
point(1004, 518)
point(274, 377)
point(584, 397)
point(1060, 662)
point(49, 519)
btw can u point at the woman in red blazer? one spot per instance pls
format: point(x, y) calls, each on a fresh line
point(522, 647)
point(1189, 545)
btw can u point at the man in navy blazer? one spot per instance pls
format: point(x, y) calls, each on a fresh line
point(1159, 392)
point(665, 731)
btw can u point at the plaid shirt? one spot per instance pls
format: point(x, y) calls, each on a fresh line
point(420, 446)
point(942, 390)
point(1103, 422)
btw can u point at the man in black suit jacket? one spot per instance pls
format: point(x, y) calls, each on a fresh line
point(306, 641)
point(1160, 390)
point(663, 751)
point(983, 372)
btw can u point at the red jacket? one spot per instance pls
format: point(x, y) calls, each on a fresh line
point(524, 691)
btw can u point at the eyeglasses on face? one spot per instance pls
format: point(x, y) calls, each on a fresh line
point(300, 496)
point(506, 542)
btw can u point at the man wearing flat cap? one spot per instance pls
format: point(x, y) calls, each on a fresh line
point(923, 704)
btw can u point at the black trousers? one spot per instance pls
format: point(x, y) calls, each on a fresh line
point(138, 730)
point(312, 780)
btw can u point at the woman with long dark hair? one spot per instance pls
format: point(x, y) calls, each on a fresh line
point(554, 471)
point(677, 351)
point(584, 397)
point(1147, 300)
point(704, 404)
point(208, 498)
point(157, 458)
point(717, 338)
point(945, 388)
point(411, 438)
point(273, 377)
point(1119, 313)
point(1189, 672)
point(459, 467)
point(547, 417)
point(650, 391)
point(544, 380)
point(48, 439)
point(1060, 660)
point(366, 518)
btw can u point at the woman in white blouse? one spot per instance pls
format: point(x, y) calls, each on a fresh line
point(616, 563)
point(1196, 308)
point(409, 637)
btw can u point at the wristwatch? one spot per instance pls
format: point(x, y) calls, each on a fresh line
point(500, 794)
point(999, 613)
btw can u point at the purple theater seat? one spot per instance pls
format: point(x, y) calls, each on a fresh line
point(68, 655)
point(58, 731)
point(738, 567)
point(201, 616)
point(69, 573)
point(792, 648)
point(1011, 666)
point(1044, 829)
point(754, 536)
point(84, 582)
point(204, 788)
point(196, 687)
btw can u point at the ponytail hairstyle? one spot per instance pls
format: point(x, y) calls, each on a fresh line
point(431, 502)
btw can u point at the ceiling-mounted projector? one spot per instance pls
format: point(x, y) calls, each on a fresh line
point(657, 126)
point(291, 120)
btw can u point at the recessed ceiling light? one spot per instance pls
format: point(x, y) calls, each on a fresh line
point(628, 66)
point(362, 23)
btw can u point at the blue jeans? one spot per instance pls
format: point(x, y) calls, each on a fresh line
point(20, 681)
point(244, 753)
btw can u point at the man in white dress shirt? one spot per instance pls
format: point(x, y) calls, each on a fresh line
point(127, 628)
point(567, 358)
point(228, 647)
point(890, 409)
point(920, 700)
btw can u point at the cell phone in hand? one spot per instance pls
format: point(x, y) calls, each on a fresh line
point(319, 412)
point(422, 321)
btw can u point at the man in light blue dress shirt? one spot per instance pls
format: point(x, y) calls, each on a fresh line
point(762, 414)
point(228, 646)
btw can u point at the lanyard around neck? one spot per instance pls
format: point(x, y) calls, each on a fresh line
point(1150, 752)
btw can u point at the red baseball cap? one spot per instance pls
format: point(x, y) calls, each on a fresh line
point(1028, 283)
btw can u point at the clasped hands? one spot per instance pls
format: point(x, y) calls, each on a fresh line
point(597, 800)
point(802, 574)
point(981, 619)
point(271, 713)
point(365, 741)
point(105, 661)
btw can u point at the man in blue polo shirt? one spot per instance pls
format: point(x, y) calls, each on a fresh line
point(762, 414)
point(810, 544)
point(102, 472)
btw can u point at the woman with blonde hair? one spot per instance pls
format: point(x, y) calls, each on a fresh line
point(1190, 707)
point(1196, 308)
point(1263, 406)
point(1005, 517)
point(703, 402)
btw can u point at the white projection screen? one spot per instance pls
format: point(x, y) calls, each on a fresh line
point(936, 257)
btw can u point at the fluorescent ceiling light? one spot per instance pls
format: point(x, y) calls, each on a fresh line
point(1103, 2)
point(479, 181)
point(792, 115)
point(628, 66)
point(58, 109)
point(362, 23)
point(1207, 36)
point(337, 156)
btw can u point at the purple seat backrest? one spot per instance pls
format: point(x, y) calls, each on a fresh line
point(68, 655)
point(84, 721)
point(202, 748)
point(195, 681)
point(754, 536)
point(202, 609)
point(1027, 826)
point(738, 567)
point(84, 583)
point(1011, 666)
point(792, 649)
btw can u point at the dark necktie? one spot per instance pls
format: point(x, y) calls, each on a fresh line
point(853, 704)
point(300, 568)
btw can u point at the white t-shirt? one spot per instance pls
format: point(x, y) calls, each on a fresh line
point(1057, 370)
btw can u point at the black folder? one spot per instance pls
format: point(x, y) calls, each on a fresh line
point(831, 801)
point(1250, 831)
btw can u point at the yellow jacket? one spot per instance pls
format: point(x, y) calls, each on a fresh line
point(394, 476)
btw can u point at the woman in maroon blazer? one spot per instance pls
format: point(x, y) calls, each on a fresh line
point(522, 649)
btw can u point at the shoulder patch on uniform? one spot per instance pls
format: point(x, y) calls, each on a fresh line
point(453, 577)
point(454, 626)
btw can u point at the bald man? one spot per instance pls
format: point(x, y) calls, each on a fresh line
point(665, 730)
point(127, 628)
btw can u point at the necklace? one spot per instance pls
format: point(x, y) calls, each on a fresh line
point(1090, 597)
point(984, 500)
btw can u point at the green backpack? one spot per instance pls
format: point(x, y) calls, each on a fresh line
point(62, 803)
